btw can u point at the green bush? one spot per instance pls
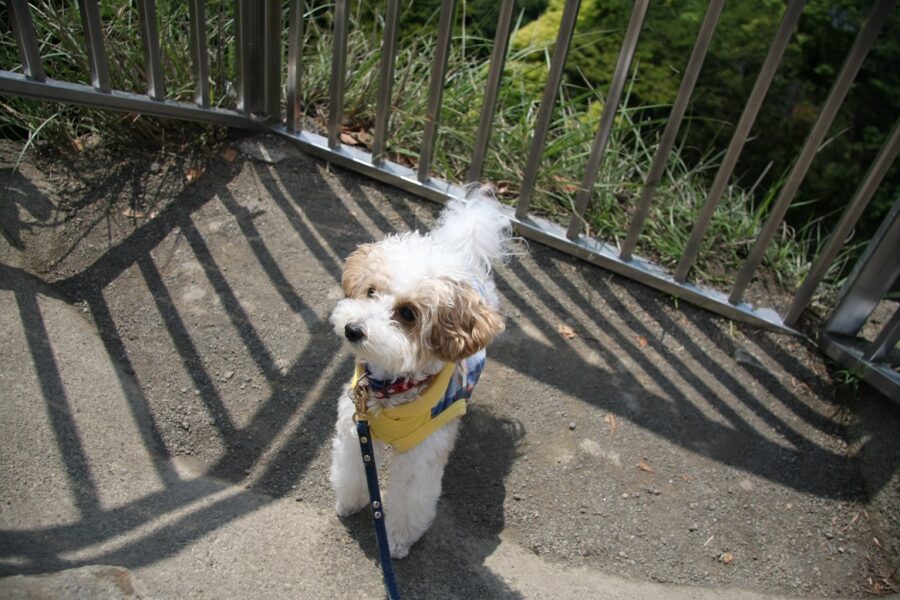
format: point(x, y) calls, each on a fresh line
point(745, 31)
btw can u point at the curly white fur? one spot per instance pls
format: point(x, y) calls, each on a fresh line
point(443, 279)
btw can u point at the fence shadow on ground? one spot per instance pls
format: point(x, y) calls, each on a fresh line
point(44, 549)
point(674, 414)
point(284, 435)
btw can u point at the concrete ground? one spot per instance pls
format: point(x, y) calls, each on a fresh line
point(168, 383)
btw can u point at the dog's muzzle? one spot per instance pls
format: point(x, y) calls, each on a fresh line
point(354, 332)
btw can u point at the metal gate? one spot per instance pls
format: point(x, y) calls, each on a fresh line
point(261, 92)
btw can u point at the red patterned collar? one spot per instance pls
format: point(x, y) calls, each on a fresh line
point(383, 389)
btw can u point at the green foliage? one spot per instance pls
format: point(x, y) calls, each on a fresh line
point(745, 31)
point(738, 50)
point(864, 121)
point(63, 49)
point(665, 44)
point(735, 224)
point(479, 18)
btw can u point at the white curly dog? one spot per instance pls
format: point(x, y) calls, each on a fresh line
point(419, 311)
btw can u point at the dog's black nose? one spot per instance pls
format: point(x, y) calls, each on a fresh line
point(354, 332)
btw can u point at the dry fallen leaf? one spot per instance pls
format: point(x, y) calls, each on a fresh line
point(727, 558)
point(611, 420)
point(642, 341)
point(364, 138)
point(566, 331)
point(502, 187)
point(567, 184)
point(348, 139)
point(644, 466)
point(230, 154)
point(194, 174)
point(78, 144)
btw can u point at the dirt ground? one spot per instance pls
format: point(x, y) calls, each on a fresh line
point(615, 428)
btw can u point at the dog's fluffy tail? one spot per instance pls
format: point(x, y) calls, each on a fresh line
point(478, 227)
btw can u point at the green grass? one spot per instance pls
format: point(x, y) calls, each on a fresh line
point(630, 151)
point(62, 47)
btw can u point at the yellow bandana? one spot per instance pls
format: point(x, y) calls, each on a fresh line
point(406, 426)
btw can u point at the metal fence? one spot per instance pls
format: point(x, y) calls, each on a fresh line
point(261, 92)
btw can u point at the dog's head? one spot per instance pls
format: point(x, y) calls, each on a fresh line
point(410, 305)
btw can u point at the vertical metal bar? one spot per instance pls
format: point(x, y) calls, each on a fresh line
point(258, 57)
point(199, 52)
point(548, 102)
point(741, 132)
point(386, 79)
point(610, 107)
point(673, 124)
point(864, 41)
point(886, 340)
point(436, 88)
point(23, 29)
point(270, 45)
point(243, 72)
point(338, 72)
point(498, 60)
point(93, 33)
point(851, 215)
point(294, 69)
point(156, 87)
point(874, 274)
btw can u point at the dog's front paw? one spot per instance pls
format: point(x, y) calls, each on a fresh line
point(344, 509)
point(399, 549)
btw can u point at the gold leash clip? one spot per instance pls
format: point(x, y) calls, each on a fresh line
point(359, 393)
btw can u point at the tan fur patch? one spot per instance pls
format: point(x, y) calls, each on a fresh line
point(462, 322)
point(361, 272)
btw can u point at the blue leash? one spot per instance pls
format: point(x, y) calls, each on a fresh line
point(360, 395)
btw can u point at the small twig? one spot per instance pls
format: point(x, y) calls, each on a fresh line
point(850, 524)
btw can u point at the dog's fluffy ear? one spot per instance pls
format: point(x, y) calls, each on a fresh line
point(356, 277)
point(464, 323)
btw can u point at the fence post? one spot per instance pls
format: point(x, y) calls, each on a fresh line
point(875, 274)
point(258, 58)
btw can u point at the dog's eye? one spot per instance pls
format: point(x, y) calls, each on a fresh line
point(407, 314)
point(370, 293)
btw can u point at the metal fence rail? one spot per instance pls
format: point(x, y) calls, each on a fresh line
point(875, 274)
point(34, 83)
point(259, 85)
